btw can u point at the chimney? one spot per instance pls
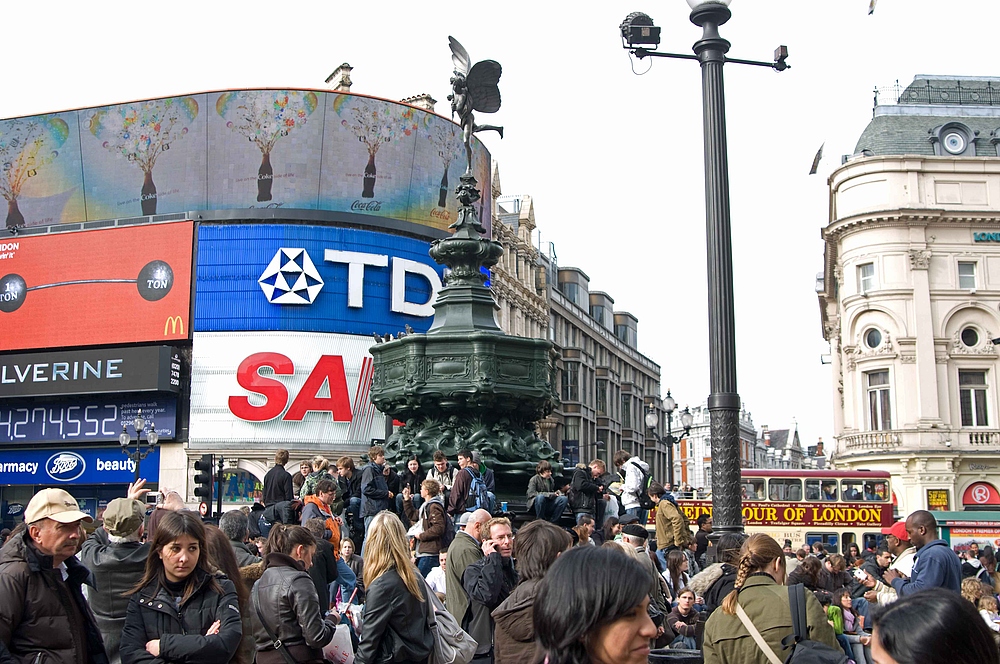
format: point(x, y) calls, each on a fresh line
point(340, 79)
point(423, 100)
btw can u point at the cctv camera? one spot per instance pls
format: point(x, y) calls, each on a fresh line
point(947, 443)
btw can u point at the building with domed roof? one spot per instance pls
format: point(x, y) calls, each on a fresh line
point(909, 294)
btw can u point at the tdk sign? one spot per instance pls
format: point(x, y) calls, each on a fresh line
point(312, 279)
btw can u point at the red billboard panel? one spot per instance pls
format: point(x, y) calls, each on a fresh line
point(112, 286)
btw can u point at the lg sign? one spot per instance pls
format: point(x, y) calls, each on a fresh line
point(329, 370)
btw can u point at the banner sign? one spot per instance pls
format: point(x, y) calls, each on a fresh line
point(78, 465)
point(312, 279)
point(113, 370)
point(238, 149)
point(83, 420)
point(839, 515)
point(292, 389)
point(961, 538)
point(111, 286)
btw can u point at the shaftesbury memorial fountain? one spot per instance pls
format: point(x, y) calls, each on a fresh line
point(466, 384)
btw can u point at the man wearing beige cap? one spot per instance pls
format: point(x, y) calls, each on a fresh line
point(43, 614)
point(116, 557)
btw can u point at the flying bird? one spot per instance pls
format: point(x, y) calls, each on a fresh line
point(819, 155)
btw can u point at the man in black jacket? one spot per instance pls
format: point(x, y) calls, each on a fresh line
point(489, 582)
point(586, 494)
point(277, 481)
point(116, 556)
point(375, 494)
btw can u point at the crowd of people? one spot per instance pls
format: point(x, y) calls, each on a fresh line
point(363, 556)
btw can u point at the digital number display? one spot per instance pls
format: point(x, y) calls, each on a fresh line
point(96, 420)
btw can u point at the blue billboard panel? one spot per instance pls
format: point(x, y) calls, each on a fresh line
point(84, 420)
point(76, 465)
point(262, 277)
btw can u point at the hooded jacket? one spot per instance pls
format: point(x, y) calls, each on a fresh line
point(374, 491)
point(633, 482)
point(514, 636)
point(116, 569)
point(35, 620)
point(583, 491)
point(315, 508)
point(934, 566)
point(433, 518)
point(288, 601)
point(713, 584)
point(152, 615)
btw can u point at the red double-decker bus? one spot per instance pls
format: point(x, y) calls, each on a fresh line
point(835, 507)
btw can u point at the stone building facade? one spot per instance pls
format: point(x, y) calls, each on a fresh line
point(909, 295)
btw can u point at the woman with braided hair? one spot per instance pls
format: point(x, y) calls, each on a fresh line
point(761, 593)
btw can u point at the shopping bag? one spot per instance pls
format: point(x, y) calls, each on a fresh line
point(339, 650)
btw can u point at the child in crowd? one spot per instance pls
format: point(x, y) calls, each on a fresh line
point(988, 610)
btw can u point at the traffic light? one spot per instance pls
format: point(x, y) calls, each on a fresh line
point(204, 479)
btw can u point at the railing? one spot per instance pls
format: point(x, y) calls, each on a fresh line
point(872, 440)
point(952, 93)
point(984, 438)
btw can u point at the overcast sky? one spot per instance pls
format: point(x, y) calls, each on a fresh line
point(612, 160)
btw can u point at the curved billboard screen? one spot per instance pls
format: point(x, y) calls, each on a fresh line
point(237, 149)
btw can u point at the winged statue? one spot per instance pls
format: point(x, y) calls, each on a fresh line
point(474, 88)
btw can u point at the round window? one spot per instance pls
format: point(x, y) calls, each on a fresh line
point(954, 142)
point(873, 338)
point(970, 337)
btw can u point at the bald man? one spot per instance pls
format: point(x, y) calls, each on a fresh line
point(935, 565)
point(464, 550)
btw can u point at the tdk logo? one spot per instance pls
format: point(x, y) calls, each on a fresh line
point(65, 466)
point(291, 278)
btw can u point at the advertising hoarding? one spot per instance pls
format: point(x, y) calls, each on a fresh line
point(83, 420)
point(76, 465)
point(111, 286)
point(288, 389)
point(312, 279)
point(104, 371)
point(233, 149)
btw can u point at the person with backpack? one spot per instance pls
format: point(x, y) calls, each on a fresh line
point(761, 596)
point(468, 493)
point(437, 528)
point(635, 498)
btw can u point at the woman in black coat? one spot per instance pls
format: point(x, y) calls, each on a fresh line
point(182, 610)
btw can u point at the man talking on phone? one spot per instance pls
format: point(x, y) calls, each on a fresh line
point(489, 582)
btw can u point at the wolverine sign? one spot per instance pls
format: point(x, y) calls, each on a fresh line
point(835, 515)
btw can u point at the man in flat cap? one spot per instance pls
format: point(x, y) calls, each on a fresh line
point(43, 614)
point(116, 556)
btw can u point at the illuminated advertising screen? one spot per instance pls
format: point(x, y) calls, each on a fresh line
point(287, 389)
point(111, 286)
point(76, 465)
point(84, 420)
point(312, 279)
point(237, 149)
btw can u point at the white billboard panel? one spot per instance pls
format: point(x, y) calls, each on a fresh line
point(283, 389)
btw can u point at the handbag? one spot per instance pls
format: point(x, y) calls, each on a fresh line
point(452, 644)
point(275, 641)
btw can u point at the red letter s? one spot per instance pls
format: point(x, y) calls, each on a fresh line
point(274, 392)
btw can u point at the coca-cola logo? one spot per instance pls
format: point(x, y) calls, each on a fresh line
point(441, 213)
point(366, 206)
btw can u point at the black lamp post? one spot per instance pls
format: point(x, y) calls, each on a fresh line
point(641, 37)
point(140, 453)
point(653, 419)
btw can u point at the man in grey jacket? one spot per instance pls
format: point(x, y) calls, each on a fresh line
point(117, 559)
point(236, 526)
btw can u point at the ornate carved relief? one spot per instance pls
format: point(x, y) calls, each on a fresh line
point(908, 359)
point(920, 259)
point(985, 346)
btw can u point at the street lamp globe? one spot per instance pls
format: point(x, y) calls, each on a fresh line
point(687, 419)
point(669, 403)
point(151, 436)
point(139, 423)
point(652, 419)
point(124, 439)
point(694, 4)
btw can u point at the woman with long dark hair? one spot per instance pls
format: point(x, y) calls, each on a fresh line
point(761, 593)
point(676, 574)
point(286, 598)
point(395, 617)
point(181, 610)
point(809, 573)
point(591, 609)
point(934, 626)
point(612, 528)
point(222, 556)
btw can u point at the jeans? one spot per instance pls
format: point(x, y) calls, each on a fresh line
point(550, 508)
point(846, 645)
point(426, 563)
point(862, 608)
point(346, 581)
point(417, 502)
point(639, 513)
point(353, 507)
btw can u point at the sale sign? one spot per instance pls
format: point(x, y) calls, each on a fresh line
point(111, 286)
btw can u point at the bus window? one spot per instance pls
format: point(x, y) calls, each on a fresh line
point(875, 491)
point(850, 490)
point(872, 541)
point(846, 540)
point(822, 489)
point(753, 488)
point(828, 540)
point(784, 489)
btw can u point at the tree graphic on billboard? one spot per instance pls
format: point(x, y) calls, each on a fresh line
point(374, 127)
point(26, 145)
point(141, 132)
point(447, 140)
point(265, 117)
